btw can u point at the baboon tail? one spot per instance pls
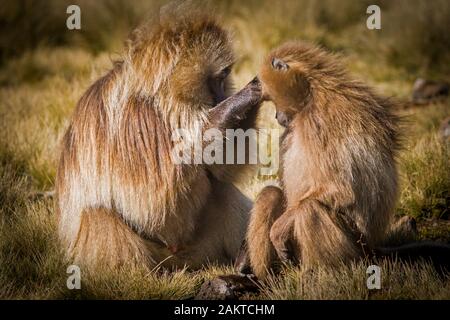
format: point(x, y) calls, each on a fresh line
point(436, 253)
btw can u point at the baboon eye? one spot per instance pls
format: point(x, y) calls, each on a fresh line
point(218, 85)
point(279, 64)
point(225, 72)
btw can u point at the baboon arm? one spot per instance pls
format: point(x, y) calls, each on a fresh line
point(281, 235)
point(229, 113)
point(238, 111)
point(268, 207)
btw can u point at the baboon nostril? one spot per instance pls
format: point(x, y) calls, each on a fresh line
point(279, 64)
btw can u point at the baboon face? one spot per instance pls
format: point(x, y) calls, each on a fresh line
point(294, 93)
point(202, 73)
point(184, 60)
point(284, 82)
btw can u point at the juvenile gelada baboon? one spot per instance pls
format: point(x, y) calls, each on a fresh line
point(339, 176)
point(120, 196)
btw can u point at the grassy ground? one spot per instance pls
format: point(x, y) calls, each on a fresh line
point(40, 82)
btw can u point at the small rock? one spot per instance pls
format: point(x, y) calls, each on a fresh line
point(227, 287)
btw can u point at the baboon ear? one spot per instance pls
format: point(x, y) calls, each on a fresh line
point(279, 64)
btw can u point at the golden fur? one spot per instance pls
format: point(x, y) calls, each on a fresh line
point(120, 198)
point(339, 176)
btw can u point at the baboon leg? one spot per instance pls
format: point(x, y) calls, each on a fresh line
point(104, 240)
point(324, 235)
point(267, 208)
point(219, 236)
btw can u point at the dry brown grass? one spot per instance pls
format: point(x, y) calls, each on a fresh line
point(38, 91)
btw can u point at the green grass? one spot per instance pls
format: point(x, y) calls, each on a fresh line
point(40, 84)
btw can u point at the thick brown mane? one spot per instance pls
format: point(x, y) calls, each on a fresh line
point(116, 155)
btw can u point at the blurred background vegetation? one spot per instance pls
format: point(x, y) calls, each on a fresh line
point(414, 34)
point(45, 68)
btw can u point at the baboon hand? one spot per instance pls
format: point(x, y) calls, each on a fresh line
point(253, 91)
point(231, 111)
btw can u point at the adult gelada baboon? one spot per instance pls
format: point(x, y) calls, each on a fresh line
point(339, 179)
point(121, 199)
